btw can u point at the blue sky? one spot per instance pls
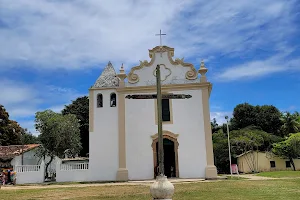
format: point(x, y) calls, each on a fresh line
point(53, 51)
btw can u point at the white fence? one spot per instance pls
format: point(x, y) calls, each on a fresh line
point(30, 173)
point(73, 172)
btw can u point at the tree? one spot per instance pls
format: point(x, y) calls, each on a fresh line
point(267, 117)
point(58, 133)
point(290, 123)
point(250, 138)
point(80, 108)
point(214, 125)
point(244, 115)
point(10, 131)
point(220, 146)
point(246, 139)
point(288, 149)
point(28, 138)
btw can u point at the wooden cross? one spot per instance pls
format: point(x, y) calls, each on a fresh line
point(159, 98)
point(154, 96)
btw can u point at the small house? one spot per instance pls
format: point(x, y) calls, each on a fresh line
point(16, 155)
point(256, 161)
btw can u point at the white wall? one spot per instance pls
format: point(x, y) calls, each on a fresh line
point(103, 152)
point(30, 173)
point(29, 158)
point(140, 125)
point(187, 122)
point(74, 172)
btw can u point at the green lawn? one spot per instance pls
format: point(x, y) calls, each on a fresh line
point(280, 174)
point(224, 190)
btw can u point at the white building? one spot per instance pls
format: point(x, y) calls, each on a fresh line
point(123, 132)
point(17, 155)
point(13, 155)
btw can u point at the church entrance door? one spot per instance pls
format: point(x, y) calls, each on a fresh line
point(169, 158)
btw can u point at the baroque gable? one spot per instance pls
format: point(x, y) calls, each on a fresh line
point(172, 71)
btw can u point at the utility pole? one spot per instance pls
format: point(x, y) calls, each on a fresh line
point(229, 152)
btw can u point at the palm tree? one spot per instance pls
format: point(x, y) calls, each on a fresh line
point(291, 123)
point(214, 125)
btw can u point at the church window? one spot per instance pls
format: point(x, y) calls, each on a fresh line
point(166, 115)
point(99, 100)
point(113, 100)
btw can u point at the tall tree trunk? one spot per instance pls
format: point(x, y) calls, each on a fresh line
point(293, 164)
point(47, 165)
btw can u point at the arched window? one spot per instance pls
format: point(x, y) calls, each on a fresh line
point(113, 100)
point(99, 101)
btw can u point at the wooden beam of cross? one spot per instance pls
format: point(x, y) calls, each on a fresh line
point(163, 96)
point(159, 98)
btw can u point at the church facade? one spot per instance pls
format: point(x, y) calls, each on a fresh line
point(123, 132)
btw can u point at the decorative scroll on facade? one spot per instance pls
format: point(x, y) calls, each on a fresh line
point(191, 74)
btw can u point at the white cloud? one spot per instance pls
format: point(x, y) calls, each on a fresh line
point(220, 116)
point(18, 98)
point(23, 100)
point(58, 108)
point(76, 34)
point(29, 124)
point(52, 34)
point(258, 68)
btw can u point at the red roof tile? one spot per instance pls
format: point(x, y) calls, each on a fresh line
point(15, 150)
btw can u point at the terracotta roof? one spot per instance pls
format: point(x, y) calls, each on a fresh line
point(15, 150)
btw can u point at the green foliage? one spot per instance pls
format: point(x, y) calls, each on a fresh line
point(58, 134)
point(267, 117)
point(290, 123)
point(80, 108)
point(10, 131)
point(244, 115)
point(214, 125)
point(254, 128)
point(242, 140)
point(220, 146)
point(280, 174)
point(4, 116)
point(246, 139)
point(28, 138)
point(289, 149)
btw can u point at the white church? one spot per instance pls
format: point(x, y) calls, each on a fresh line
point(123, 132)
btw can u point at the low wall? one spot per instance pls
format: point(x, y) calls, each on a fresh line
point(73, 172)
point(30, 173)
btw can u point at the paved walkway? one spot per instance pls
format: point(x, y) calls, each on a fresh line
point(146, 182)
point(253, 177)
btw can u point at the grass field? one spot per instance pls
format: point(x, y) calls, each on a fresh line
point(226, 189)
point(281, 174)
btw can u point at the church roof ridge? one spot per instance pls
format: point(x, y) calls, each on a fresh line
point(108, 77)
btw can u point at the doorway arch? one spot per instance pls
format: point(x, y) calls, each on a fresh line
point(170, 140)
